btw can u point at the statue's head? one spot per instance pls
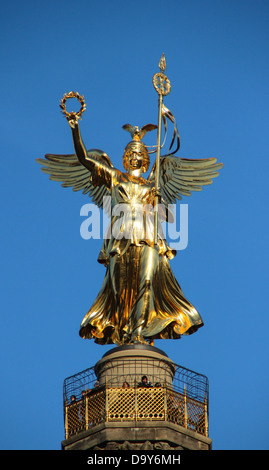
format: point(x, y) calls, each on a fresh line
point(136, 154)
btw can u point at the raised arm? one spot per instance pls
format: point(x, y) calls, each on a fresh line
point(101, 172)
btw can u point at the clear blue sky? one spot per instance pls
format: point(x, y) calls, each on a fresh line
point(217, 62)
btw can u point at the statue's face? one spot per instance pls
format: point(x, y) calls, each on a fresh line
point(134, 159)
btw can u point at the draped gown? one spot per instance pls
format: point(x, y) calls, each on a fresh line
point(140, 299)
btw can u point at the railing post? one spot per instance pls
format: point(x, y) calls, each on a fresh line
point(87, 412)
point(165, 401)
point(135, 397)
point(66, 419)
point(206, 419)
point(107, 402)
point(185, 409)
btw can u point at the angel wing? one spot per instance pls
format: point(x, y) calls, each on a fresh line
point(180, 176)
point(68, 170)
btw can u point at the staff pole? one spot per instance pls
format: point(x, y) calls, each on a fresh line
point(162, 86)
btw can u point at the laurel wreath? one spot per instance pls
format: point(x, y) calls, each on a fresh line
point(72, 114)
point(161, 84)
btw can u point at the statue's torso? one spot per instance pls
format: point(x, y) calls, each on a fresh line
point(132, 217)
point(131, 190)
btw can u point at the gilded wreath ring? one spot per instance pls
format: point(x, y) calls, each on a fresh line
point(73, 114)
point(161, 84)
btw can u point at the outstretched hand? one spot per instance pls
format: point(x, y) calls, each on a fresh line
point(72, 120)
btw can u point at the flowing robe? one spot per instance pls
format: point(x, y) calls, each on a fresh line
point(140, 299)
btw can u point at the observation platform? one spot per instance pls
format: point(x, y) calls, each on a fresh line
point(107, 406)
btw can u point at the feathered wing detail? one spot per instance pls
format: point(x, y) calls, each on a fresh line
point(180, 176)
point(68, 170)
point(129, 128)
point(147, 128)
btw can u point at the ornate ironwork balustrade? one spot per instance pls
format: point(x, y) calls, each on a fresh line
point(118, 404)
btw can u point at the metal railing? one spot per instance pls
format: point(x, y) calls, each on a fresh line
point(184, 380)
point(117, 404)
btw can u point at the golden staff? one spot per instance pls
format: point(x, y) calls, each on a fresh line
point(163, 87)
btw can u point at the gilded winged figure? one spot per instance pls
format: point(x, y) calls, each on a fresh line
point(140, 299)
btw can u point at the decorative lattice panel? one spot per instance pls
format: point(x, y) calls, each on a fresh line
point(150, 404)
point(121, 404)
point(196, 416)
point(96, 408)
point(74, 419)
point(175, 407)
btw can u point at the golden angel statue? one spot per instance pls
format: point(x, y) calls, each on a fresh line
point(140, 299)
